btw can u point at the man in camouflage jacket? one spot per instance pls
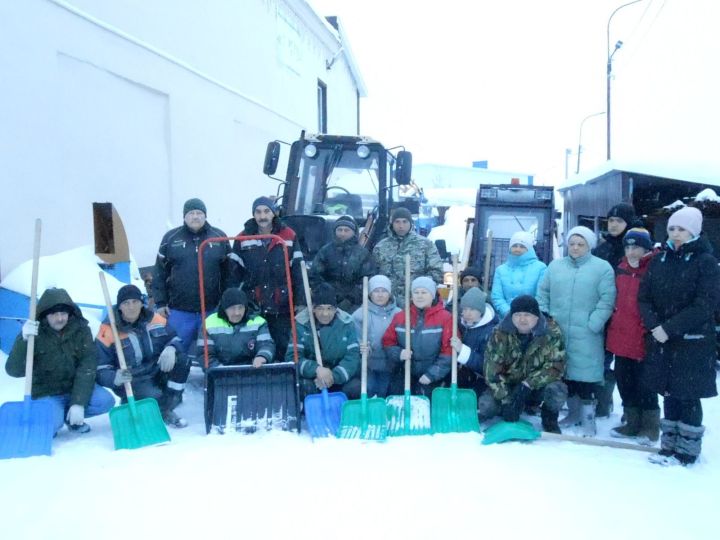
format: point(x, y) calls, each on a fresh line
point(524, 365)
point(402, 239)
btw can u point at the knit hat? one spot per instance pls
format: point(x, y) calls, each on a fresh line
point(525, 304)
point(523, 238)
point(689, 218)
point(194, 204)
point(472, 271)
point(345, 221)
point(638, 237)
point(401, 213)
point(128, 292)
point(624, 211)
point(324, 295)
point(585, 233)
point(379, 282)
point(232, 297)
point(264, 201)
point(424, 282)
point(474, 298)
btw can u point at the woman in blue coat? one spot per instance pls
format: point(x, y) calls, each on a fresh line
point(520, 274)
point(578, 292)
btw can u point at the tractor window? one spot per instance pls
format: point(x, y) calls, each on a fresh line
point(505, 224)
point(352, 187)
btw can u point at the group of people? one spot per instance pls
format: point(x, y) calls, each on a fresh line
point(547, 335)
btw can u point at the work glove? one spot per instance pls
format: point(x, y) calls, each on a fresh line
point(406, 355)
point(259, 361)
point(122, 376)
point(324, 378)
point(457, 344)
point(166, 361)
point(75, 415)
point(511, 410)
point(29, 328)
point(424, 380)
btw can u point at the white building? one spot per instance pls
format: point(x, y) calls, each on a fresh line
point(146, 103)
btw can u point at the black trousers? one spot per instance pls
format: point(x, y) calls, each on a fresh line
point(280, 329)
point(687, 411)
point(628, 373)
point(585, 390)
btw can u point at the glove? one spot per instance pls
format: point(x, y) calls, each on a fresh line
point(511, 411)
point(258, 361)
point(75, 415)
point(166, 361)
point(122, 376)
point(424, 380)
point(29, 328)
point(324, 378)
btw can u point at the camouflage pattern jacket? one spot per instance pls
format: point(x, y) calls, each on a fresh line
point(542, 362)
point(390, 254)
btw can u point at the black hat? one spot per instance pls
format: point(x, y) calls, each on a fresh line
point(624, 211)
point(194, 204)
point(57, 308)
point(128, 292)
point(264, 201)
point(232, 297)
point(401, 213)
point(525, 304)
point(472, 271)
point(324, 295)
point(345, 221)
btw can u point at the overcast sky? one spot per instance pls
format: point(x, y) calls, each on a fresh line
point(509, 81)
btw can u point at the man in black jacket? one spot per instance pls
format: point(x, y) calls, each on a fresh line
point(176, 285)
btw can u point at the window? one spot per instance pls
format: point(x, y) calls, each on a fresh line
point(322, 106)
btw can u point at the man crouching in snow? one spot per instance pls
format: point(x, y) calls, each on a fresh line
point(524, 364)
point(156, 366)
point(64, 362)
point(338, 345)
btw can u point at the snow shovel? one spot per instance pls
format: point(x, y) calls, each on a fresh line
point(323, 410)
point(408, 415)
point(454, 410)
point(364, 418)
point(26, 427)
point(137, 423)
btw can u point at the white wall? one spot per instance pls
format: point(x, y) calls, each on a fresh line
point(147, 103)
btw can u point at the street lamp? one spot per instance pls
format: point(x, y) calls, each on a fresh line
point(610, 55)
point(577, 170)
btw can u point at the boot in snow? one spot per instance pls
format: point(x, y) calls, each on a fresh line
point(689, 443)
point(171, 418)
point(169, 400)
point(589, 428)
point(632, 425)
point(549, 420)
point(573, 416)
point(668, 443)
point(649, 427)
point(605, 396)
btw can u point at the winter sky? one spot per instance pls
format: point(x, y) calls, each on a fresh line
point(510, 81)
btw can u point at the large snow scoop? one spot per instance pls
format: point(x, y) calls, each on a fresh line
point(454, 410)
point(245, 399)
point(364, 418)
point(408, 414)
point(26, 427)
point(323, 410)
point(137, 423)
point(525, 431)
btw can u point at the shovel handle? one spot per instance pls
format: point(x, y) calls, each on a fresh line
point(30, 353)
point(308, 301)
point(488, 254)
point(116, 336)
point(453, 376)
point(407, 321)
point(363, 367)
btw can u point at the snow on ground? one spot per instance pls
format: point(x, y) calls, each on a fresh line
point(284, 485)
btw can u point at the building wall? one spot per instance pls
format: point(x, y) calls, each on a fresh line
point(145, 104)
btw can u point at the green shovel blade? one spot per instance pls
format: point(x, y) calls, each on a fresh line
point(364, 419)
point(137, 424)
point(510, 431)
point(454, 410)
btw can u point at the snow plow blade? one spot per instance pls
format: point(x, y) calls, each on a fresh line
point(246, 399)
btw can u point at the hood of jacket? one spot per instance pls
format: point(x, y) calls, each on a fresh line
point(52, 297)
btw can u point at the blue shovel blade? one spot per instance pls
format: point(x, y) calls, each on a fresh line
point(323, 412)
point(26, 428)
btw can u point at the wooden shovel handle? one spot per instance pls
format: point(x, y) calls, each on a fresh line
point(363, 368)
point(407, 320)
point(488, 253)
point(308, 301)
point(30, 353)
point(453, 376)
point(116, 336)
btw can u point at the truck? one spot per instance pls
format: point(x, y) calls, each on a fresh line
point(333, 175)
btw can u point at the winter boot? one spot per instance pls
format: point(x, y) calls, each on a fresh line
point(573, 415)
point(649, 427)
point(605, 396)
point(632, 425)
point(171, 418)
point(549, 420)
point(587, 412)
point(81, 428)
point(169, 400)
point(668, 442)
point(689, 443)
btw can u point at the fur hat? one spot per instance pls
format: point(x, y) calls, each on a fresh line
point(345, 221)
point(474, 298)
point(264, 201)
point(585, 233)
point(624, 211)
point(401, 213)
point(523, 238)
point(525, 304)
point(324, 295)
point(194, 204)
point(128, 292)
point(424, 282)
point(689, 218)
point(638, 237)
point(379, 282)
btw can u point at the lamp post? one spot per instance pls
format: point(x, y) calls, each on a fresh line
point(610, 55)
point(579, 150)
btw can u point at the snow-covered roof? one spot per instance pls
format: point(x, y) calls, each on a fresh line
point(701, 173)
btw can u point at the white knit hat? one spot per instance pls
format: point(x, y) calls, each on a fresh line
point(379, 282)
point(688, 218)
point(585, 233)
point(523, 238)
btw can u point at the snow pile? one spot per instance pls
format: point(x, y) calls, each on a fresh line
point(674, 205)
point(453, 230)
point(708, 195)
